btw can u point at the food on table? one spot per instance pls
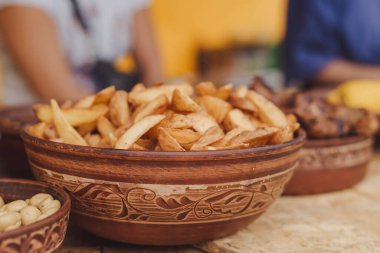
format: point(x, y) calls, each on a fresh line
point(323, 120)
point(320, 118)
point(167, 117)
point(23, 212)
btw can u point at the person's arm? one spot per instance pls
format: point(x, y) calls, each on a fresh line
point(146, 48)
point(312, 39)
point(338, 71)
point(31, 36)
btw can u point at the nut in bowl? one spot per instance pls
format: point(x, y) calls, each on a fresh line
point(35, 217)
point(224, 175)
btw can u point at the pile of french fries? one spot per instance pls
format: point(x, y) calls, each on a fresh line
point(167, 117)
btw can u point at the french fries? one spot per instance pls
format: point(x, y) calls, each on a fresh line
point(255, 138)
point(65, 131)
point(216, 107)
point(268, 112)
point(166, 117)
point(237, 119)
point(75, 117)
point(119, 108)
point(213, 134)
point(137, 130)
point(183, 103)
point(167, 142)
point(156, 106)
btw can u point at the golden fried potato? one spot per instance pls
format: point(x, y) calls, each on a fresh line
point(168, 89)
point(65, 131)
point(228, 136)
point(240, 92)
point(216, 107)
point(167, 142)
point(144, 96)
point(50, 132)
point(147, 95)
point(260, 137)
point(156, 106)
point(105, 95)
point(74, 116)
point(237, 119)
point(86, 128)
point(166, 117)
point(287, 132)
point(224, 92)
point(176, 121)
point(137, 147)
point(201, 122)
point(183, 103)
point(148, 144)
point(213, 134)
point(205, 88)
point(268, 112)
point(105, 127)
point(185, 137)
point(137, 130)
point(138, 87)
point(37, 130)
point(119, 109)
point(92, 139)
point(242, 104)
point(85, 103)
point(66, 104)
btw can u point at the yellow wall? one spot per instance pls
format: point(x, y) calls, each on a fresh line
point(182, 26)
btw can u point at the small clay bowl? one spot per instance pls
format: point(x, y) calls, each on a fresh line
point(12, 151)
point(165, 198)
point(331, 165)
point(42, 236)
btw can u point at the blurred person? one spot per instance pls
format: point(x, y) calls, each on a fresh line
point(331, 41)
point(65, 49)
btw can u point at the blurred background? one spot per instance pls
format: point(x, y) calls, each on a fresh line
point(219, 40)
point(67, 49)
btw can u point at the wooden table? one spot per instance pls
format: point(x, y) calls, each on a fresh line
point(346, 221)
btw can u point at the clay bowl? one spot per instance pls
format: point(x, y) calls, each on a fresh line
point(42, 236)
point(12, 151)
point(165, 198)
point(331, 165)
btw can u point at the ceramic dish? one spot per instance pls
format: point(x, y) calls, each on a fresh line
point(42, 236)
point(12, 152)
point(165, 198)
point(331, 165)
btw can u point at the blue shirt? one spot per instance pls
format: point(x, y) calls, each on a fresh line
point(319, 31)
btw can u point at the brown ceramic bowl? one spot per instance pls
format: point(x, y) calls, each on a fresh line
point(42, 236)
point(165, 198)
point(12, 151)
point(331, 165)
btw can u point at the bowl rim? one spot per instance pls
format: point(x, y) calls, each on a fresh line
point(15, 128)
point(336, 141)
point(158, 155)
point(65, 208)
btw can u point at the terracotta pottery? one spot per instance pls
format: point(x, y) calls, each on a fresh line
point(12, 151)
point(42, 236)
point(165, 198)
point(331, 165)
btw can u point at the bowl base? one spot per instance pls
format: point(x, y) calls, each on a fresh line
point(161, 235)
point(324, 180)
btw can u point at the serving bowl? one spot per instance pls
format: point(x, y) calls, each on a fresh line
point(42, 236)
point(165, 198)
point(331, 165)
point(12, 151)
